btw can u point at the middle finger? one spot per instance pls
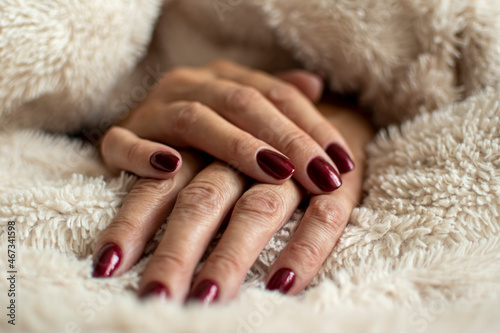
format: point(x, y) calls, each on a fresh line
point(196, 217)
point(260, 212)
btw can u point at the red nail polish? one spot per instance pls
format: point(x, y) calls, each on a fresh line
point(274, 164)
point(205, 292)
point(324, 175)
point(156, 289)
point(339, 156)
point(282, 280)
point(164, 161)
point(107, 260)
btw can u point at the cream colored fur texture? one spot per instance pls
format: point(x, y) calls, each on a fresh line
point(421, 253)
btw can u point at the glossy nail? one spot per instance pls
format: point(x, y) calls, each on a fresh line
point(340, 157)
point(164, 161)
point(155, 289)
point(282, 280)
point(274, 164)
point(324, 175)
point(205, 292)
point(107, 260)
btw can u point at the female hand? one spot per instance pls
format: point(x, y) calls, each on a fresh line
point(256, 215)
point(246, 118)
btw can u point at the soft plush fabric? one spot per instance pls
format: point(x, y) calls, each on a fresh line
point(421, 253)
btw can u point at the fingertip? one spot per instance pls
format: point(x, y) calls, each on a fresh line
point(106, 260)
point(282, 280)
point(276, 165)
point(123, 150)
point(166, 163)
point(341, 158)
point(323, 175)
point(154, 289)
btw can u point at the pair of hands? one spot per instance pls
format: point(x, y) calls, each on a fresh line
point(265, 127)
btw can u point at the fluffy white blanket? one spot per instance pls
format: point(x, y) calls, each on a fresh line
point(422, 252)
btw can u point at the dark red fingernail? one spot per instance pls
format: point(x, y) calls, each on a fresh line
point(107, 260)
point(339, 156)
point(282, 280)
point(164, 161)
point(205, 292)
point(155, 289)
point(274, 164)
point(324, 175)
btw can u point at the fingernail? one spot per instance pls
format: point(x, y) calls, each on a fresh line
point(323, 175)
point(282, 280)
point(164, 161)
point(339, 156)
point(155, 289)
point(205, 292)
point(107, 260)
point(274, 164)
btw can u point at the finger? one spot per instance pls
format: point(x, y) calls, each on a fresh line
point(296, 107)
point(195, 125)
point(123, 150)
point(311, 85)
point(196, 217)
point(145, 208)
point(322, 225)
point(249, 110)
point(259, 213)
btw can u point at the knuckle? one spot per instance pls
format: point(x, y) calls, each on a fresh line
point(241, 99)
point(239, 145)
point(262, 202)
point(186, 115)
point(171, 259)
point(330, 213)
point(295, 141)
point(201, 195)
point(283, 94)
point(310, 253)
point(124, 228)
point(227, 261)
point(152, 189)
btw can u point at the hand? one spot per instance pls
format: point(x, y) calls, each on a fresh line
point(257, 214)
point(238, 116)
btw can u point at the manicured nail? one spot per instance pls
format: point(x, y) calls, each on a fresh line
point(164, 161)
point(205, 292)
point(155, 289)
point(107, 260)
point(323, 175)
point(282, 280)
point(339, 156)
point(274, 164)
